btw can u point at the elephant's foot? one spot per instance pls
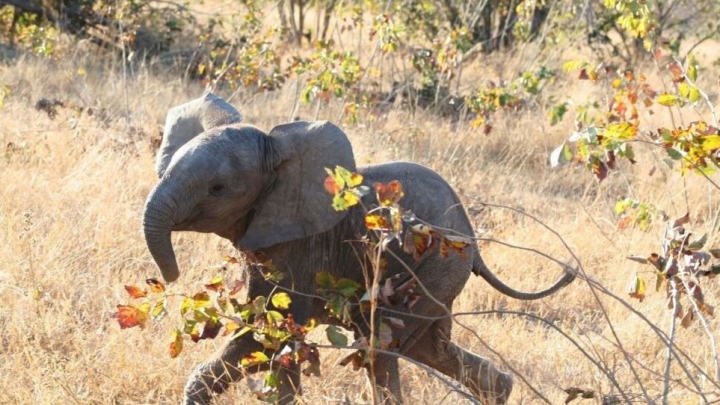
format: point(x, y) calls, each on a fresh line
point(484, 379)
point(208, 379)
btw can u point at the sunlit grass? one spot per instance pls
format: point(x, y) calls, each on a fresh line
point(72, 190)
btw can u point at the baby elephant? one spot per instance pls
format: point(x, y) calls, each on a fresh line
point(265, 193)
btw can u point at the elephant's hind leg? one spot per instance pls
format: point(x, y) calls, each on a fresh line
point(478, 374)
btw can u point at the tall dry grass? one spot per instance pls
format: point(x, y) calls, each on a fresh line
point(72, 192)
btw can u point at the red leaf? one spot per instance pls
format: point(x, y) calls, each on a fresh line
point(135, 291)
point(236, 287)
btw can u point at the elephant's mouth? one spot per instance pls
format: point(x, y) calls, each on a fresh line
point(190, 222)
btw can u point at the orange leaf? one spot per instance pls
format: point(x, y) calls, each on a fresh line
point(176, 344)
point(135, 291)
point(216, 284)
point(129, 316)
point(418, 240)
point(453, 243)
point(331, 185)
point(389, 194)
point(155, 285)
point(230, 259)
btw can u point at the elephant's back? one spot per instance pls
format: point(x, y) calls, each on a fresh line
point(427, 194)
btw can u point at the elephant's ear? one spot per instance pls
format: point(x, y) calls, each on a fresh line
point(298, 205)
point(186, 121)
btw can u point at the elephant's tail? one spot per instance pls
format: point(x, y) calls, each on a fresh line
point(480, 269)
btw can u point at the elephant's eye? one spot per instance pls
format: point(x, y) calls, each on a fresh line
point(217, 189)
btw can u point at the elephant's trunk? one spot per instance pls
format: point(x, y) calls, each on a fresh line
point(159, 218)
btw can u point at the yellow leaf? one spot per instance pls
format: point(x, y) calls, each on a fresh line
point(155, 285)
point(574, 65)
point(668, 100)
point(350, 198)
point(684, 89)
point(254, 359)
point(711, 143)
point(230, 327)
point(158, 308)
point(637, 288)
point(694, 95)
point(281, 300)
point(620, 131)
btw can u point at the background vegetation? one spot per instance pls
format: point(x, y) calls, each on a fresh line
point(522, 104)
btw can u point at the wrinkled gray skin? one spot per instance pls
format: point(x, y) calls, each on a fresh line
point(186, 121)
point(265, 194)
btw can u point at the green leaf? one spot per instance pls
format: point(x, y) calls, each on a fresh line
point(674, 154)
point(698, 243)
point(557, 113)
point(659, 280)
point(336, 336)
point(272, 380)
point(347, 287)
point(560, 156)
point(324, 280)
point(281, 300)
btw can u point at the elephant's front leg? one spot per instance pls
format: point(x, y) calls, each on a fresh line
point(215, 375)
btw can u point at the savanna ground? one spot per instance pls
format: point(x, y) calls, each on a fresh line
point(72, 193)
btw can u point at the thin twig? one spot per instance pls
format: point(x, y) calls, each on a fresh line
point(666, 375)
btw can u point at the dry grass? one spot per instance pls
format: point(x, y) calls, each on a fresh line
point(72, 191)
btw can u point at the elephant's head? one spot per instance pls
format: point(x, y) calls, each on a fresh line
point(186, 121)
point(255, 189)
